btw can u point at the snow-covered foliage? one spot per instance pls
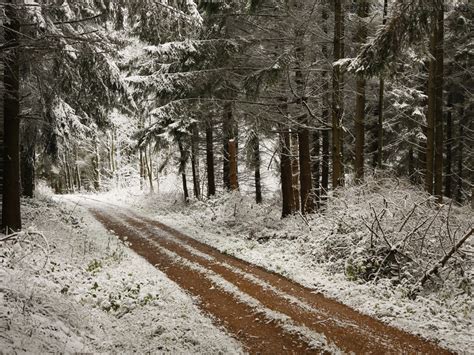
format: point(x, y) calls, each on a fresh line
point(71, 289)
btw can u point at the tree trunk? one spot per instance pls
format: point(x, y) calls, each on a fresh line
point(325, 118)
point(227, 125)
point(434, 133)
point(449, 150)
point(149, 168)
point(286, 172)
point(295, 170)
point(257, 162)
point(96, 165)
point(316, 168)
point(362, 13)
point(28, 162)
point(460, 162)
point(11, 214)
point(438, 108)
point(234, 183)
point(337, 97)
point(211, 181)
point(182, 168)
point(411, 165)
point(379, 154)
point(195, 161)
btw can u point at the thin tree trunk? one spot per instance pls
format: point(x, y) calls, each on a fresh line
point(379, 154)
point(257, 162)
point(438, 108)
point(449, 149)
point(286, 172)
point(460, 168)
point(77, 170)
point(28, 170)
point(11, 214)
point(295, 169)
point(362, 13)
point(337, 97)
point(325, 118)
point(195, 161)
point(149, 168)
point(316, 168)
point(96, 165)
point(234, 183)
point(304, 148)
point(227, 125)
point(411, 165)
point(211, 181)
point(182, 168)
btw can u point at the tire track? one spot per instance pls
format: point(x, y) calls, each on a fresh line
point(341, 326)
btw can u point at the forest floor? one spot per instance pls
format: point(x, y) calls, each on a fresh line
point(223, 274)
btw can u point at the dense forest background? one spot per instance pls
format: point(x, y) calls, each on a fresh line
point(106, 94)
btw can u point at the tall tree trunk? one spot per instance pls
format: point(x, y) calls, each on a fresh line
point(337, 96)
point(304, 149)
point(379, 153)
point(195, 161)
point(325, 118)
point(438, 108)
point(460, 167)
point(316, 168)
point(286, 172)
point(411, 165)
point(211, 181)
point(449, 149)
point(77, 170)
point(182, 168)
point(362, 13)
point(11, 214)
point(234, 183)
point(295, 170)
point(434, 132)
point(96, 165)
point(28, 162)
point(257, 164)
point(227, 134)
point(149, 168)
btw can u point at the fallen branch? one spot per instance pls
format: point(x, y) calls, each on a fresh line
point(435, 269)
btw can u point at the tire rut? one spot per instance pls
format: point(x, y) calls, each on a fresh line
point(340, 325)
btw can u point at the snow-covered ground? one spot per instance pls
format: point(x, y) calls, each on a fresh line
point(79, 289)
point(328, 252)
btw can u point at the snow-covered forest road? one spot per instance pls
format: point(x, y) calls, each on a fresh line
point(266, 312)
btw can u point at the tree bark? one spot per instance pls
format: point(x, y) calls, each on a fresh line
point(11, 213)
point(286, 172)
point(379, 153)
point(182, 168)
point(28, 162)
point(295, 170)
point(326, 119)
point(211, 181)
point(258, 179)
point(316, 168)
point(195, 161)
point(434, 133)
point(234, 183)
point(227, 125)
point(337, 97)
point(449, 150)
point(438, 108)
point(96, 165)
point(362, 13)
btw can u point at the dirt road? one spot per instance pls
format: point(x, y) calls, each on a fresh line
point(266, 312)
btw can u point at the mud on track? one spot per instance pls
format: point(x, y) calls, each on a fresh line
point(266, 312)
